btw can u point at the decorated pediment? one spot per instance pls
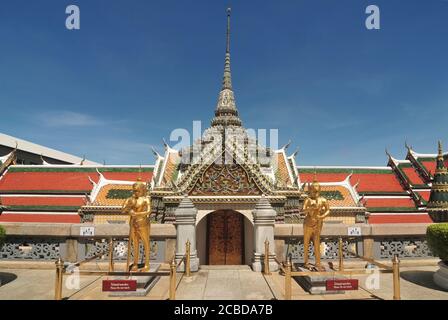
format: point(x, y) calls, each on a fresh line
point(225, 179)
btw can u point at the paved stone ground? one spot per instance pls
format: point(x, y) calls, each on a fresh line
point(217, 283)
point(225, 283)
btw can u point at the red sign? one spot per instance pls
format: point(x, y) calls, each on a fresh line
point(119, 285)
point(342, 284)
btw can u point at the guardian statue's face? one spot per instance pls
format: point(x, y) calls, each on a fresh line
point(139, 189)
point(315, 190)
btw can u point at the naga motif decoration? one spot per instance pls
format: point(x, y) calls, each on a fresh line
point(225, 180)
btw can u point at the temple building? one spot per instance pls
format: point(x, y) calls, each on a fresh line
point(17, 151)
point(223, 178)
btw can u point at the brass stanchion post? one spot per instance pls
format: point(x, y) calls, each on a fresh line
point(396, 277)
point(128, 258)
point(173, 280)
point(58, 284)
point(266, 258)
point(187, 260)
point(288, 280)
point(341, 255)
point(111, 255)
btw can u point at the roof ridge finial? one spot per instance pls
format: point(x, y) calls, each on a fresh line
point(407, 146)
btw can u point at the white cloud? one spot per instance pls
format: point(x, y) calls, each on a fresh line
point(68, 119)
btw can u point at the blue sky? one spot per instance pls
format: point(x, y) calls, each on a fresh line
point(136, 70)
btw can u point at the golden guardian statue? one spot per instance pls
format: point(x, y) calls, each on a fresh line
point(138, 207)
point(316, 210)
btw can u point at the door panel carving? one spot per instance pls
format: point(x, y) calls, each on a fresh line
point(225, 238)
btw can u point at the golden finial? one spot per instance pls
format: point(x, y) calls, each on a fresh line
point(440, 149)
point(139, 173)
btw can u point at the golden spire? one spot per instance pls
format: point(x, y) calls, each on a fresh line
point(229, 11)
point(226, 112)
point(440, 161)
point(227, 80)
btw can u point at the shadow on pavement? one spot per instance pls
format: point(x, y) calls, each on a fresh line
point(421, 278)
point(6, 277)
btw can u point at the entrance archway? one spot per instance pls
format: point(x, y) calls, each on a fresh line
point(225, 237)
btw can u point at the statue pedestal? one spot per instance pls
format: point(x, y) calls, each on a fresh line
point(315, 284)
point(144, 283)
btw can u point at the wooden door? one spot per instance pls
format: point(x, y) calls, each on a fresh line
point(225, 238)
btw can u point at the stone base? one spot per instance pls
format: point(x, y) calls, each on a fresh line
point(144, 283)
point(441, 276)
point(194, 265)
point(258, 266)
point(315, 284)
point(258, 263)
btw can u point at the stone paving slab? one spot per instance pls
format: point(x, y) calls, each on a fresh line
point(35, 285)
point(224, 283)
point(219, 284)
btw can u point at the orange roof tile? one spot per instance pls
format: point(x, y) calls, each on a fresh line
point(170, 169)
point(390, 202)
point(369, 181)
point(337, 196)
point(413, 177)
point(400, 218)
point(64, 179)
point(282, 170)
point(40, 218)
point(113, 195)
point(42, 201)
point(424, 194)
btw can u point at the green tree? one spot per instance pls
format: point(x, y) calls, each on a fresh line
point(437, 237)
point(2, 236)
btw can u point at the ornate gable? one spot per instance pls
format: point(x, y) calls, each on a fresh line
point(225, 179)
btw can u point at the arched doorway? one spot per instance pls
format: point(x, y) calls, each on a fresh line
point(225, 237)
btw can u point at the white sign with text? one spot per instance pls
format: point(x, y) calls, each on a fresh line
point(354, 231)
point(87, 231)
